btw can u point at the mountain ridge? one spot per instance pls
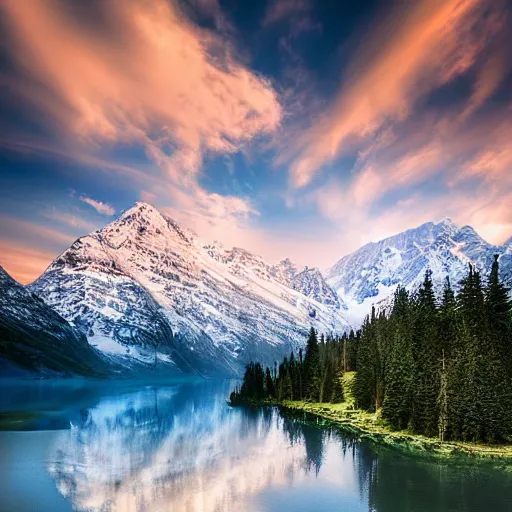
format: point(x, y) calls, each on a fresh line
point(146, 291)
point(145, 286)
point(370, 275)
point(35, 338)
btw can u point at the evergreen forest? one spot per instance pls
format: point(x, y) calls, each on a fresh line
point(436, 366)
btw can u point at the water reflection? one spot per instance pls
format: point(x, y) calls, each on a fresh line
point(180, 448)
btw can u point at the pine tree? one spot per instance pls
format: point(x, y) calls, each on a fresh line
point(300, 391)
point(327, 379)
point(482, 398)
point(337, 395)
point(352, 351)
point(269, 384)
point(498, 311)
point(365, 381)
point(447, 321)
point(312, 367)
point(400, 375)
point(442, 402)
point(427, 357)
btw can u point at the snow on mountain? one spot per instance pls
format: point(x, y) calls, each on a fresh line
point(371, 274)
point(147, 288)
point(33, 336)
point(284, 271)
point(311, 283)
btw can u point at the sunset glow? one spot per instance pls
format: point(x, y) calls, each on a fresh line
point(290, 128)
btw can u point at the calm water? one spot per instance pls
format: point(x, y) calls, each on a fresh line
point(177, 446)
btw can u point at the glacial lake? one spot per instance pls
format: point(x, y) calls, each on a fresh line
point(176, 446)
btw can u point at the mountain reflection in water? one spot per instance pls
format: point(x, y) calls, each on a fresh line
point(178, 447)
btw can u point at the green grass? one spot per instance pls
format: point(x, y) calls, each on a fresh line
point(371, 426)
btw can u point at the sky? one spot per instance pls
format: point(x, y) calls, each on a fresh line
point(291, 128)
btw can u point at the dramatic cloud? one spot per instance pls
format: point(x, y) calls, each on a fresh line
point(154, 77)
point(100, 207)
point(413, 53)
point(147, 75)
point(399, 118)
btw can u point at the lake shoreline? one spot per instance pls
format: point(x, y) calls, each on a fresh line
point(368, 426)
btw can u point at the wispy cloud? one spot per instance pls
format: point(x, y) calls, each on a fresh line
point(28, 230)
point(99, 206)
point(23, 263)
point(195, 96)
point(283, 10)
point(428, 45)
point(69, 219)
point(27, 248)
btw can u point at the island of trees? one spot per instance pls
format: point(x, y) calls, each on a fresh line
point(439, 367)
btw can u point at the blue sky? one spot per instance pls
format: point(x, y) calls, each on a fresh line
point(292, 128)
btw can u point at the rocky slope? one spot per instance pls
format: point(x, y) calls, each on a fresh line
point(34, 337)
point(146, 288)
point(371, 274)
point(311, 283)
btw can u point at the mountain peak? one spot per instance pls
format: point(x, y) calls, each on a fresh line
point(311, 283)
point(4, 276)
point(140, 209)
point(371, 274)
point(145, 220)
point(448, 222)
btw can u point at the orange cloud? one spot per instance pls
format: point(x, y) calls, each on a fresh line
point(148, 76)
point(22, 263)
point(155, 77)
point(424, 46)
point(218, 217)
point(30, 230)
point(493, 160)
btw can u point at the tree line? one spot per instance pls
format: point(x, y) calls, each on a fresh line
point(440, 367)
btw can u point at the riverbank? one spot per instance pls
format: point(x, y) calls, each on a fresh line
point(369, 426)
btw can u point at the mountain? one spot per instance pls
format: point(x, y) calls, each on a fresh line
point(371, 274)
point(146, 288)
point(311, 283)
point(34, 337)
point(284, 271)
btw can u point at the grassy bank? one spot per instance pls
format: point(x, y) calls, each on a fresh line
point(370, 426)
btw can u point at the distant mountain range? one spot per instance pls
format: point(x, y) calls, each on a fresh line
point(144, 293)
point(371, 274)
point(147, 288)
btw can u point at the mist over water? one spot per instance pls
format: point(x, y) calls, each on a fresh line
point(177, 446)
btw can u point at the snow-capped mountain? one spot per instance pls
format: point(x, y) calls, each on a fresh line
point(147, 288)
point(371, 274)
point(284, 271)
point(34, 337)
point(311, 283)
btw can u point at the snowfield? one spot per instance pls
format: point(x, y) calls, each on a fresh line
point(144, 285)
